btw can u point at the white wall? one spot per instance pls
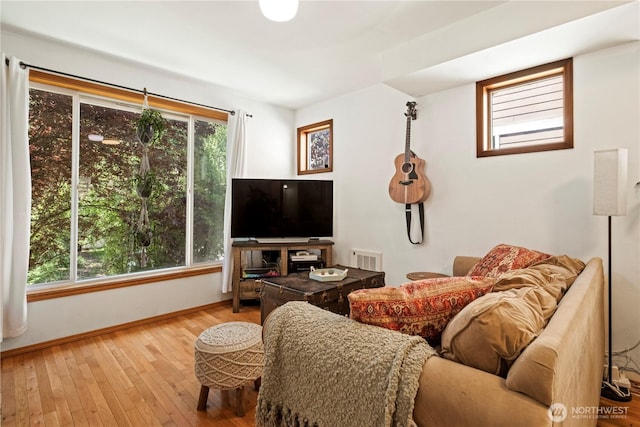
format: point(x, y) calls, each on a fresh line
point(269, 153)
point(538, 200)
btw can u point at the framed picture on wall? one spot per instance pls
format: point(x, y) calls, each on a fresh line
point(315, 148)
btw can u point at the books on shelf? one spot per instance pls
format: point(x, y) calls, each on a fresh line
point(269, 270)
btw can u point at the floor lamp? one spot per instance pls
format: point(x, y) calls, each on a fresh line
point(609, 199)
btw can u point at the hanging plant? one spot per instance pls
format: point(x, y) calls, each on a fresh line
point(143, 231)
point(150, 126)
point(145, 183)
point(143, 237)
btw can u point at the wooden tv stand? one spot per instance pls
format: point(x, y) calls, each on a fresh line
point(243, 287)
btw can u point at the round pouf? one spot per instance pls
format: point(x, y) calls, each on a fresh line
point(228, 356)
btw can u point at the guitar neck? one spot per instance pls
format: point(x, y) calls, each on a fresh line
point(407, 149)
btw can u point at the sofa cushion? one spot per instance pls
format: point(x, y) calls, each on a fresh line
point(491, 332)
point(422, 307)
point(554, 274)
point(503, 258)
point(564, 364)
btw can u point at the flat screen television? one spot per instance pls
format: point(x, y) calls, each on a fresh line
point(280, 209)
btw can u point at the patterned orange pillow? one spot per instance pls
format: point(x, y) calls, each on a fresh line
point(503, 258)
point(422, 307)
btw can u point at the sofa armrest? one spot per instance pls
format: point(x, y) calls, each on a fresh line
point(452, 394)
point(462, 265)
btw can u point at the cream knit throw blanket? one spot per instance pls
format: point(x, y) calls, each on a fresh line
point(326, 370)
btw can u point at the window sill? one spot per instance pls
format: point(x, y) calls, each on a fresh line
point(108, 284)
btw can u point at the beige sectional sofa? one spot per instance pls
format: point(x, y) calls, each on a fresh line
point(553, 379)
point(561, 369)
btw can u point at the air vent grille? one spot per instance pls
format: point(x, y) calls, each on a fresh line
point(366, 260)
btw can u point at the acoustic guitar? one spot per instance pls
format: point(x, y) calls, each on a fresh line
point(409, 184)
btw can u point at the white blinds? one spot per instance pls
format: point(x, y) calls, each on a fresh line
point(528, 114)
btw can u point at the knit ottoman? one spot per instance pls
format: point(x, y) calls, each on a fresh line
point(228, 356)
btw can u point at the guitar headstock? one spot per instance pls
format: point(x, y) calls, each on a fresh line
point(411, 110)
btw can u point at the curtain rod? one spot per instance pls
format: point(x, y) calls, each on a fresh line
point(144, 92)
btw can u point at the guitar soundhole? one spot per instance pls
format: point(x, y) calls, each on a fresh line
point(407, 167)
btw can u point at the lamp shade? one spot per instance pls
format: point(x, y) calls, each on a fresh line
point(279, 10)
point(610, 182)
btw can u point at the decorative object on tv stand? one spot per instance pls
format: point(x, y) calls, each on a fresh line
point(149, 129)
point(610, 199)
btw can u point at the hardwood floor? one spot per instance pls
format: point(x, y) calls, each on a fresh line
point(141, 376)
point(625, 414)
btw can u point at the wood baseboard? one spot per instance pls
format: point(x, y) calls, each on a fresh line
point(102, 331)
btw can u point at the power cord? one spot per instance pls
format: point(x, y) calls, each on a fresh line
point(624, 355)
point(610, 389)
point(614, 392)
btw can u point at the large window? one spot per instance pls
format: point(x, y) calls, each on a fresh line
point(526, 111)
point(85, 205)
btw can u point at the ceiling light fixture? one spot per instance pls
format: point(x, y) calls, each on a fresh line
point(279, 10)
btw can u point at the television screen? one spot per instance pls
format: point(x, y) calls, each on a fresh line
point(281, 208)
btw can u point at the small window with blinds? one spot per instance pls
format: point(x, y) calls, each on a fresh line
point(526, 111)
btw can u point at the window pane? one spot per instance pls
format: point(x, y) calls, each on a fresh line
point(106, 199)
point(209, 183)
point(167, 205)
point(109, 207)
point(50, 151)
point(528, 114)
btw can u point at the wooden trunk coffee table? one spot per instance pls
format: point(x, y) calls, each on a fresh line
point(331, 296)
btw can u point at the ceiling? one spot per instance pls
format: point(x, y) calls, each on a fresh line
point(332, 47)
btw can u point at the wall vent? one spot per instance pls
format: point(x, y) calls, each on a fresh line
point(366, 260)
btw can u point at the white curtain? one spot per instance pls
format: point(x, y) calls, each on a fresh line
point(15, 197)
point(236, 165)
